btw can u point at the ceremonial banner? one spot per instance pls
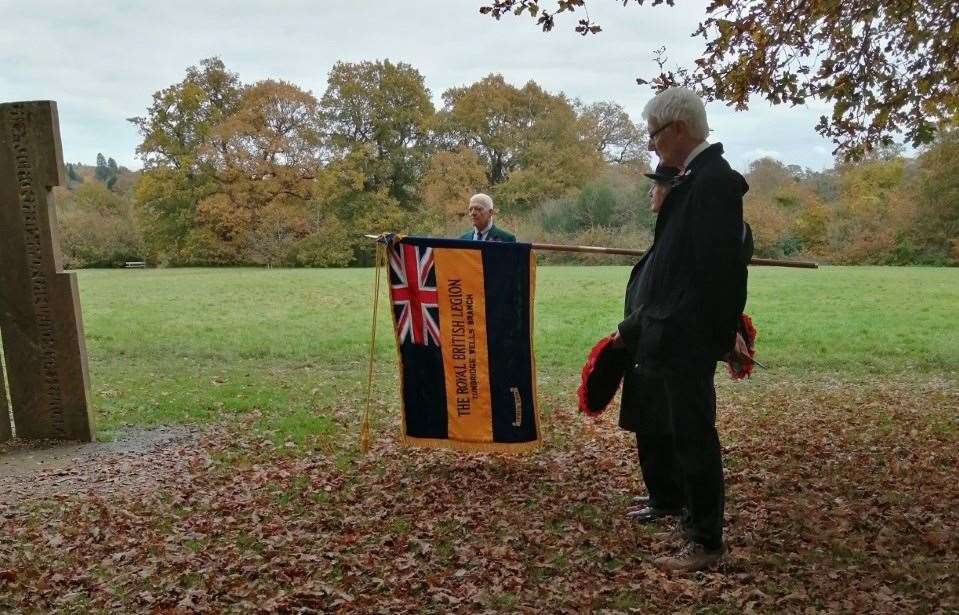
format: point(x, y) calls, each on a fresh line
point(463, 315)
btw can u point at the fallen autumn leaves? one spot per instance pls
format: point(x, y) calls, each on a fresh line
point(839, 497)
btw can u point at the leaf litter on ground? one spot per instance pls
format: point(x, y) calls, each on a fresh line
point(840, 496)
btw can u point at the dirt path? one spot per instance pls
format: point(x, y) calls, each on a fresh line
point(136, 459)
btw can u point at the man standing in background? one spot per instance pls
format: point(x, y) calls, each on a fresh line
point(480, 212)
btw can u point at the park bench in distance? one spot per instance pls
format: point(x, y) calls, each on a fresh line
point(134, 264)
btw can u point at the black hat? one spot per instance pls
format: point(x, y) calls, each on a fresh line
point(601, 376)
point(663, 173)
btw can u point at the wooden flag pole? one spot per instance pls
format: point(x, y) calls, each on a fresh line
point(556, 247)
point(763, 262)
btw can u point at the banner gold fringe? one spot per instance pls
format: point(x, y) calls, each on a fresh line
point(532, 348)
point(473, 447)
point(380, 259)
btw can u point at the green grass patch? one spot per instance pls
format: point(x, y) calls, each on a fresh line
point(199, 345)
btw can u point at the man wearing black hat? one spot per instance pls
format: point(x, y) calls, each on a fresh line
point(691, 291)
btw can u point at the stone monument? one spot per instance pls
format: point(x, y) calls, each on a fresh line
point(40, 322)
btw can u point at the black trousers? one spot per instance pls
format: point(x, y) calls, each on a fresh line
point(692, 407)
point(660, 469)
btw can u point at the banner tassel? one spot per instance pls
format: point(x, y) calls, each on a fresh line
point(379, 259)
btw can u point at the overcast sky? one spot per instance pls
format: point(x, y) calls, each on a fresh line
point(102, 61)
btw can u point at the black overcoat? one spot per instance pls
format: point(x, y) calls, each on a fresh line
point(685, 295)
point(642, 403)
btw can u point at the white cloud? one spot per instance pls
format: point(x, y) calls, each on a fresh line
point(103, 61)
point(759, 152)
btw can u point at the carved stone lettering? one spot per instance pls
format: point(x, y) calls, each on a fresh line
point(41, 300)
point(40, 317)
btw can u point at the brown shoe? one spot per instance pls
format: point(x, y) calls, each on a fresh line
point(691, 558)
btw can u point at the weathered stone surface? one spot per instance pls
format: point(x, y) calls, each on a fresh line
point(39, 306)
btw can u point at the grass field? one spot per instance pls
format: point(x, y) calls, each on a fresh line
point(840, 461)
point(181, 345)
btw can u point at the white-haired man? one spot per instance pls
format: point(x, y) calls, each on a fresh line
point(480, 211)
point(692, 292)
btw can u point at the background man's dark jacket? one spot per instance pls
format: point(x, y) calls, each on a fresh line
point(685, 296)
point(495, 234)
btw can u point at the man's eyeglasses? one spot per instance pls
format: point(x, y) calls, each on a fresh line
point(653, 134)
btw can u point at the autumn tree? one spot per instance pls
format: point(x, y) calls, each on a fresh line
point(528, 139)
point(177, 126)
point(451, 178)
point(887, 68)
point(378, 115)
point(263, 159)
point(786, 215)
point(875, 213)
point(617, 137)
point(180, 119)
point(350, 199)
point(494, 119)
point(936, 189)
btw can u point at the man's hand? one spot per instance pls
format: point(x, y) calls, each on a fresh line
point(740, 352)
point(617, 339)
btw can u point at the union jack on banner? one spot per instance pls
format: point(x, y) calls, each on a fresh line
point(413, 291)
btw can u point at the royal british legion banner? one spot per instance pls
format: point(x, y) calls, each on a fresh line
point(463, 314)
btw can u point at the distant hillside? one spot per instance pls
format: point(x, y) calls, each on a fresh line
point(118, 178)
point(97, 223)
